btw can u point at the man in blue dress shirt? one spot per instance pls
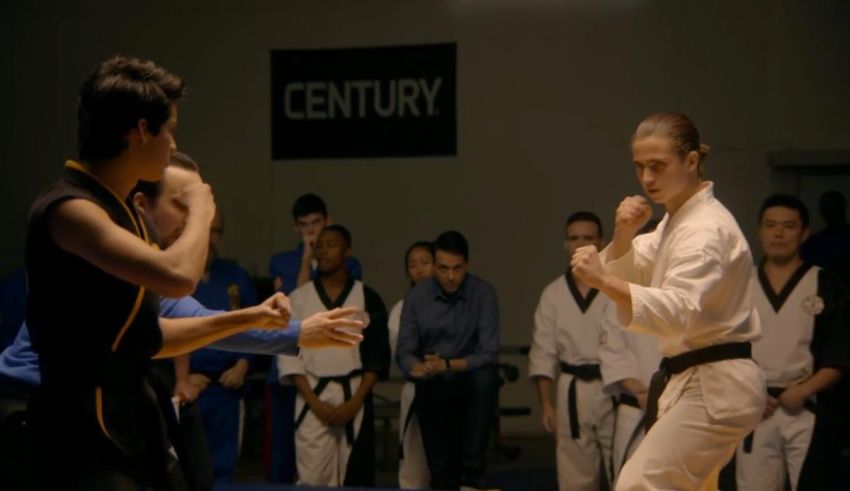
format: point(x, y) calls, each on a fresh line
point(448, 342)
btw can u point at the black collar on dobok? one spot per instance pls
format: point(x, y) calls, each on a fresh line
point(583, 303)
point(340, 300)
point(777, 300)
point(677, 364)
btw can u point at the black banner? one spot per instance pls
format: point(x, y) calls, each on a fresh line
point(364, 102)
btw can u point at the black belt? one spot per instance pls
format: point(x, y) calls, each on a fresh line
point(630, 400)
point(579, 372)
point(774, 392)
point(346, 395)
point(680, 363)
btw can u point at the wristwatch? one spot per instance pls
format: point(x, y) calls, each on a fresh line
point(448, 364)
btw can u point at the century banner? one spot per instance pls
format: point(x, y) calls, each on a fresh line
point(397, 101)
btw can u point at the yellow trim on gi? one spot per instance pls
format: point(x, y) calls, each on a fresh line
point(143, 233)
point(98, 405)
point(85, 170)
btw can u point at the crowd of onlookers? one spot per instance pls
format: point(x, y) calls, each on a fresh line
point(444, 337)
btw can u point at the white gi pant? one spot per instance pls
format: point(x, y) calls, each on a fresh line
point(628, 433)
point(780, 445)
point(413, 470)
point(580, 459)
point(322, 451)
point(686, 448)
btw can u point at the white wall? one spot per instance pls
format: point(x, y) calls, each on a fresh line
point(548, 94)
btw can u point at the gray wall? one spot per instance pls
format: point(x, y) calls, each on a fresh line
point(548, 94)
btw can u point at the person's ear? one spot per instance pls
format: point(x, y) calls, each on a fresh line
point(692, 160)
point(140, 201)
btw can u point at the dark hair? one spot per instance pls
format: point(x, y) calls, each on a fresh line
point(833, 207)
point(422, 244)
point(453, 242)
point(346, 235)
point(786, 201)
point(307, 204)
point(585, 216)
point(152, 189)
point(679, 128)
point(120, 92)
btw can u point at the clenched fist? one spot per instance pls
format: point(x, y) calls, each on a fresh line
point(273, 313)
point(586, 266)
point(198, 198)
point(632, 214)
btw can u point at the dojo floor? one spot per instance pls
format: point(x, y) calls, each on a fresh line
point(533, 469)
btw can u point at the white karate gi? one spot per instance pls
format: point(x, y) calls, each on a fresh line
point(322, 451)
point(568, 328)
point(413, 470)
point(780, 443)
point(690, 286)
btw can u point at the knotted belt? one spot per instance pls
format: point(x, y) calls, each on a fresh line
point(579, 372)
point(677, 364)
point(321, 385)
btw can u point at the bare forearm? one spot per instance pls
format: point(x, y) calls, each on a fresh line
point(544, 390)
point(633, 386)
point(181, 368)
point(303, 385)
point(621, 243)
point(618, 291)
point(304, 272)
point(180, 336)
point(242, 365)
point(367, 383)
point(458, 364)
point(187, 257)
point(822, 379)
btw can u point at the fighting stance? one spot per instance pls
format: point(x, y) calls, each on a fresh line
point(565, 346)
point(804, 350)
point(627, 359)
point(334, 426)
point(412, 466)
point(94, 421)
point(687, 283)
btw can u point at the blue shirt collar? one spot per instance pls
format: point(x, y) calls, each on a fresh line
point(460, 294)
